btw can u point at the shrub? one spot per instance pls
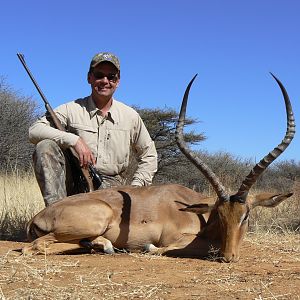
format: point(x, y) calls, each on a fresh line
point(17, 113)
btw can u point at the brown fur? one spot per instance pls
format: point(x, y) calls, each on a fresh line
point(133, 218)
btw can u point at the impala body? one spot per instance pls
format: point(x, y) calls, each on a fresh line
point(167, 219)
point(128, 217)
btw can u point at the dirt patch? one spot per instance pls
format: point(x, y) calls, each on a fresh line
point(269, 268)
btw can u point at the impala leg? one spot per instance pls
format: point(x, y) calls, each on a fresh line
point(152, 249)
point(99, 242)
point(49, 244)
point(188, 245)
point(182, 242)
point(39, 245)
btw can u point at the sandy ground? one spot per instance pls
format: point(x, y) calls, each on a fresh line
point(269, 268)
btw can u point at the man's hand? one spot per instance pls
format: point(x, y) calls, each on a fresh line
point(84, 153)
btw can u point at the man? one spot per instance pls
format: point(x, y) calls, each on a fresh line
point(102, 131)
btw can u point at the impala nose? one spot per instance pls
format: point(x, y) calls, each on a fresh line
point(225, 260)
point(229, 258)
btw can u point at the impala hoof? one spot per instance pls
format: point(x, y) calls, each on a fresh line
point(150, 248)
point(109, 251)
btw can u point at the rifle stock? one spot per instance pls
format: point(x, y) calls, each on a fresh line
point(92, 179)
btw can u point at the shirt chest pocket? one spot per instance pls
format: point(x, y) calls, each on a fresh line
point(87, 133)
point(117, 146)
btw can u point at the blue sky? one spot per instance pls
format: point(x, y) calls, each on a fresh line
point(232, 45)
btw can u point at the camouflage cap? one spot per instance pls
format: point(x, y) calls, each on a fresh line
point(105, 56)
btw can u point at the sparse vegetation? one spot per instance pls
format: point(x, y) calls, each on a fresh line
point(17, 113)
point(269, 270)
point(20, 199)
point(282, 219)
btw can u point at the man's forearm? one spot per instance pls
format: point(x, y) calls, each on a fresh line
point(40, 130)
point(147, 166)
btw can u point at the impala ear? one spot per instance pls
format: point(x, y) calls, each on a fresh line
point(199, 209)
point(268, 199)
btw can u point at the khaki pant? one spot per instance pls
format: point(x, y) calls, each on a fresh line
point(57, 177)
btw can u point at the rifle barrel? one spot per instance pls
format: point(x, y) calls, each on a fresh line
point(91, 172)
point(21, 58)
point(47, 104)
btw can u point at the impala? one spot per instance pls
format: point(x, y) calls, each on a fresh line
point(168, 219)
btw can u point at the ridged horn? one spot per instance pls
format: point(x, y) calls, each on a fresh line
point(260, 167)
point(205, 170)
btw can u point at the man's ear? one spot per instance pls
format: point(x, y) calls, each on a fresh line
point(118, 83)
point(89, 77)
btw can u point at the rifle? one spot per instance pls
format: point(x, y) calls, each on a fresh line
point(89, 177)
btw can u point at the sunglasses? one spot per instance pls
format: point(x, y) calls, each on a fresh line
point(113, 77)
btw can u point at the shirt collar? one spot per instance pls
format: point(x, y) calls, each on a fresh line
point(93, 109)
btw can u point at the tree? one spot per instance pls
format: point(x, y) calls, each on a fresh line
point(281, 176)
point(161, 124)
point(16, 115)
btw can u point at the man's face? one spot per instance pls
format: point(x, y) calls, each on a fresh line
point(104, 80)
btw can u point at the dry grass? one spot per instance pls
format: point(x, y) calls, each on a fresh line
point(41, 278)
point(268, 269)
point(283, 218)
point(279, 243)
point(20, 199)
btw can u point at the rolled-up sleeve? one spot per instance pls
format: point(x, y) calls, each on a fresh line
point(42, 130)
point(146, 155)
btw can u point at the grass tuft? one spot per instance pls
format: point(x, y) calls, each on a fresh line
point(20, 199)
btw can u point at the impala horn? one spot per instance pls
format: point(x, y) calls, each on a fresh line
point(260, 167)
point(205, 170)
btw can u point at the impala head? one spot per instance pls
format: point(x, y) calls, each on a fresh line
point(228, 221)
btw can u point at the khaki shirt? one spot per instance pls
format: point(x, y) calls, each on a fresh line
point(110, 138)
